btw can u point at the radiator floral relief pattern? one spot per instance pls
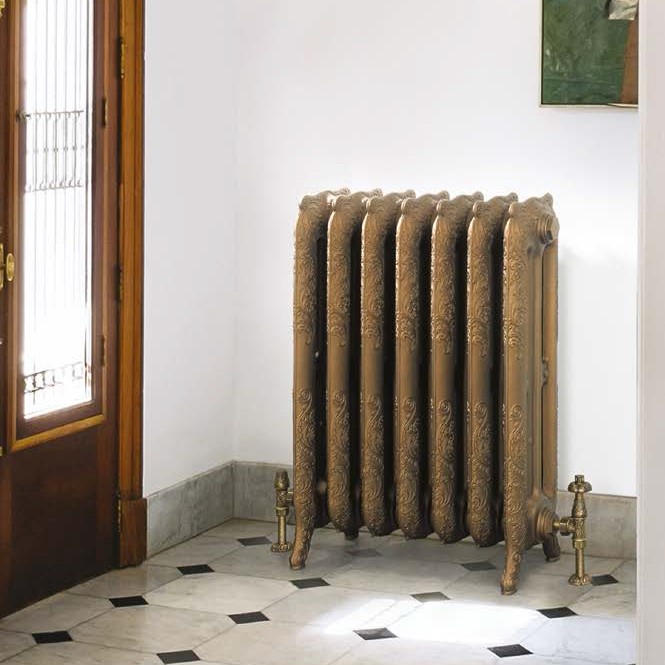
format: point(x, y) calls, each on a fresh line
point(304, 476)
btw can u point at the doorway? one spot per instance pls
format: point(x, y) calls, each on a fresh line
point(61, 171)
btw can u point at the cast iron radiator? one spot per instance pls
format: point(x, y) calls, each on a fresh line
point(425, 384)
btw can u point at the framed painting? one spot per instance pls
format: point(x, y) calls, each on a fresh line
point(589, 53)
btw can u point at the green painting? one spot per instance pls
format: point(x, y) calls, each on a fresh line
point(589, 52)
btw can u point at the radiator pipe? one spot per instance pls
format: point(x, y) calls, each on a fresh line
point(283, 502)
point(575, 526)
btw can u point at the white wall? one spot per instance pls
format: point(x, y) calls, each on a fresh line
point(258, 102)
point(651, 527)
point(190, 239)
point(431, 95)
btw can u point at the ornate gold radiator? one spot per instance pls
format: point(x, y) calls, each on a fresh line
point(425, 386)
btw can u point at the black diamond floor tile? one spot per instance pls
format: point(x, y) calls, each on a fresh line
point(258, 540)
point(510, 650)
point(52, 638)
point(431, 597)
point(169, 657)
point(129, 601)
point(309, 583)
point(374, 633)
point(601, 580)
point(196, 570)
point(367, 553)
point(558, 612)
point(249, 617)
point(476, 566)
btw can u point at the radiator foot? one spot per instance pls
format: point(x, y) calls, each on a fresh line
point(510, 575)
point(284, 500)
point(301, 544)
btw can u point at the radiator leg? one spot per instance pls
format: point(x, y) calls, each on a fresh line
point(301, 544)
point(511, 572)
point(284, 500)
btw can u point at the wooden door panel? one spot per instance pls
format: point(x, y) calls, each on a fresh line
point(54, 506)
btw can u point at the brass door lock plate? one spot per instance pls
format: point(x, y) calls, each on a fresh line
point(7, 264)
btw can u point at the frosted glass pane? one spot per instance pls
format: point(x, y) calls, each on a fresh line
point(56, 352)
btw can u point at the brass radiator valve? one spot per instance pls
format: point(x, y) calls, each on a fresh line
point(284, 500)
point(575, 526)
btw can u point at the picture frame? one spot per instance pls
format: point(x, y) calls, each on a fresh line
point(589, 53)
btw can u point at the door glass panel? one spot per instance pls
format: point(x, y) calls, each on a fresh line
point(56, 233)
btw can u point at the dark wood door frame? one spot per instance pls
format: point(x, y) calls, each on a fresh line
point(132, 506)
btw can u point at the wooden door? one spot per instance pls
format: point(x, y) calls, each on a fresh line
point(59, 69)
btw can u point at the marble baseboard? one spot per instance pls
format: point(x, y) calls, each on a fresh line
point(253, 490)
point(611, 526)
point(245, 490)
point(185, 510)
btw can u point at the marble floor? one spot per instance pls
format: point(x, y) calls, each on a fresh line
point(223, 598)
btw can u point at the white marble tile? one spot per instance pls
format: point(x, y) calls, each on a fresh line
point(275, 643)
point(534, 562)
point(221, 593)
point(202, 549)
point(609, 601)
point(398, 610)
point(315, 626)
point(59, 612)
point(127, 582)
point(74, 653)
point(405, 576)
point(626, 573)
point(339, 610)
point(430, 549)
point(599, 640)
point(468, 623)
point(415, 652)
point(259, 561)
point(534, 591)
point(152, 629)
point(13, 643)
point(243, 529)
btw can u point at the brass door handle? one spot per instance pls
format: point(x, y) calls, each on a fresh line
point(7, 264)
point(2, 6)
